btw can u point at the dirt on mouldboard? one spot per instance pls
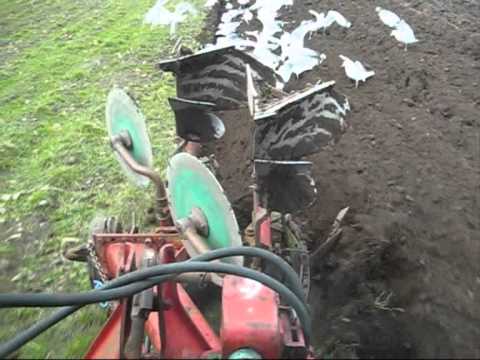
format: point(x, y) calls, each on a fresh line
point(404, 280)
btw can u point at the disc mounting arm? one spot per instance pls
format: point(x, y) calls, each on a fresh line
point(121, 143)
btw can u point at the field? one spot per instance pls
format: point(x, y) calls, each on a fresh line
point(58, 60)
point(404, 280)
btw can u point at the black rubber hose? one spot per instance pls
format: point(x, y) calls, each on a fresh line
point(22, 300)
point(291, 276)
point(33, 331)
point(44, 324)
point(121, 291)
point(176, 268)
point(69, 299)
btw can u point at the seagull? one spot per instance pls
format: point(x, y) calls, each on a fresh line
point(319, 17)
point(263, 49)
point(319, 23)
point(159, 15)
point(261, 40)
point(295, 58)
point(306, 60)
point(323, 21)
point(335, 16)
point(305, 27)
point(355, 70)
point(389, 18)
point(247, 16)
point(404, 33)
point(210, 3)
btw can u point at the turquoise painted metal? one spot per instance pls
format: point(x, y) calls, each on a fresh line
point(122, 115)
point(192, 185)
point(245, 354)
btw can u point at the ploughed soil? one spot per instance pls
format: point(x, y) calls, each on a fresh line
point(404, 280)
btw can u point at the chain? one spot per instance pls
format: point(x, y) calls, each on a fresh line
point(96, 262)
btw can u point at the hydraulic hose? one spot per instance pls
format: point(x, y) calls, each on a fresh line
point(134, 281)
point(44, 324)
point(45, 300)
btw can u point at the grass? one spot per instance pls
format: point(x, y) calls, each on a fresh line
point(58, 60)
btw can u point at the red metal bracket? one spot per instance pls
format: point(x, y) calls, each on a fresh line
point(250, 318)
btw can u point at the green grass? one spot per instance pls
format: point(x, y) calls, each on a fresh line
point(58, 60)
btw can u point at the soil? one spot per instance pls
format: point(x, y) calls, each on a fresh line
point(404, 280)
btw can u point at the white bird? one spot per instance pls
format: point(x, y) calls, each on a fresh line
point(323, 21)
point(210, 3)
point(311, 26)
point(335, 16)
point(159, 15)
point(404, 33)
point(306, 60)
point(319, 17)
point(267, 12)
point(264, 41)
point(247, 16)
point(355, 70)
point(305, 27)
point(389, 18)
point(263, 49)
point(296, 58)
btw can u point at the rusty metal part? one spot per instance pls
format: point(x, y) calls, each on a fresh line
point(332, 239)
point(193, 148)
point(249, 235)
point(77, 253)
point(300, 261)
point(121, 144)
point(194, 229)
point(261, 219)
point(157, 238)
point(195, 241)
point(142, 305)
point(194, 278)
point(196, 220)
point(288, 242)
point(95, 261)
point(294, 340)
point(99, 241)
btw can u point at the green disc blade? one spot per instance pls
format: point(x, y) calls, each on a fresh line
point(192, 185)
point(123, 115)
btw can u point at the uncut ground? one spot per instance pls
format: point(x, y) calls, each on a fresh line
point(58, 60)
point(405, 279)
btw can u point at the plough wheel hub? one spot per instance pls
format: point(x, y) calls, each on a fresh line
point(192, 185)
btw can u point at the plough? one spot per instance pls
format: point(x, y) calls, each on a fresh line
point(151, 280)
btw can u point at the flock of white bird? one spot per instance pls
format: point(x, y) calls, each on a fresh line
point(283, 51)
point(160, 15)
